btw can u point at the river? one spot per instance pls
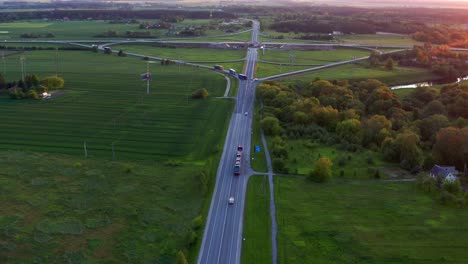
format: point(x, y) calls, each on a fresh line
point(425, 84)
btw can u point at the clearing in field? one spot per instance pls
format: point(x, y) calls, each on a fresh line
point(366, 222)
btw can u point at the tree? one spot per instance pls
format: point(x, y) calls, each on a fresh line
point(31, 80)
point(376, 129)
point(200, 94)
point(322, 171)
point(389, 64)
point(32, 94)
point(429, 126)
point(53, 82)
point(451, 147)
point(350, 130)
point(181, 258)
point(374, 59)
point(408, 147)
point(433, 108)
point(270, 125)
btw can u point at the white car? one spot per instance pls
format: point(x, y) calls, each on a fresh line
point(231, 200)
point(246, 113)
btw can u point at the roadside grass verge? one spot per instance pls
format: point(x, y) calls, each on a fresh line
point(258, 161)
point(256, 248)
point(389, 40)
point(354, 221)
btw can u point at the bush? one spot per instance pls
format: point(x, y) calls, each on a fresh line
point(447, 198)
point(279, 165)
point(33, 94)
point(200, 94)
point(427, 184)
point(452, 187)
point(197, 222)
point(322, 171)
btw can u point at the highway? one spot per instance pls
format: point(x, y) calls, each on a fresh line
point(222, 238)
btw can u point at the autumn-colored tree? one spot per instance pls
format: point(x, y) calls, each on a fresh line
point(322, 170)
point(376, 129)
point(451, 147)
point(433, 108)
point(53, 82)
point(429, 126)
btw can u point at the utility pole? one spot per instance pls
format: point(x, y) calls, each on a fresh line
point(147, 77)
point(85, 150)
point(22, 67)
point(56, 62)
point(4, 66)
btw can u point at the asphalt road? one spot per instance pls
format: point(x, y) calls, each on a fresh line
point(222, 239)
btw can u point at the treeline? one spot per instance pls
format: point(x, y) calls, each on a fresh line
point(19, 48)
point(127, 34)
point(111, 14)
point(37, 35)
point(455, 37)
point(316, 24)
point(31, 87)
point(448, 64)
point(415, 132)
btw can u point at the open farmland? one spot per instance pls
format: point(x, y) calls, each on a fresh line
point(88, 29)
point(366, 222)
point(65, 209)
point(105, 104)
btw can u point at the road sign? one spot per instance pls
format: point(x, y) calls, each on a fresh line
point(257, 148)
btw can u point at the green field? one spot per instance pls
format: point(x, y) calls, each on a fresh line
point(357, 72)
point(302, 155)
point(105, 103)
point(384, 40)
point(88, 29)
point(256, 248)
point(63, 209)
point(202, 56)
point(312, 56)
point(366, 222)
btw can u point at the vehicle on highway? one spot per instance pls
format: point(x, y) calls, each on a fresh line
point(246, 113)
point(256, 79)
point(231, 200)
point(232, 72)
point(237, 170)
point(242, 76)
point(218, 67)
point(240, 148)
point(239, 154)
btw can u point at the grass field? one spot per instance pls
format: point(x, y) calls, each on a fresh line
point(88, 29)
point(356, 72)
point(256, 248)
point(312, 56)
point(388, 40)
point(105, 103)
point(366, 222)
point(63, 209)
point(302, 155)
point(186, 54)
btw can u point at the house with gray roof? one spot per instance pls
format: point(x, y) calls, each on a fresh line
point(445, 173)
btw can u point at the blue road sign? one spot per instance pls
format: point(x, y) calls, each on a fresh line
point(257, 148)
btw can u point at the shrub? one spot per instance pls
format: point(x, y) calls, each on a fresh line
point(197, 222)
point(447, 198)
point(427, 183)
point(370, 160)
point(200, 94)
point(33, 94)
point(279, 165)
point(452, 187)
point(322, 170)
